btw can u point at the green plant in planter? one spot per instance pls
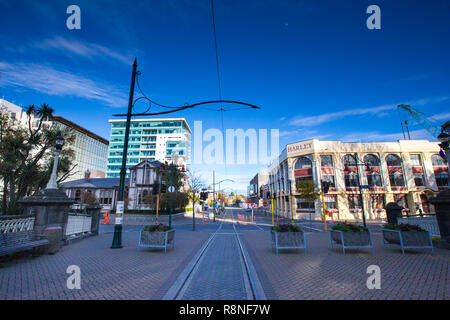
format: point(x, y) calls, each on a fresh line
point(403, 227)
point(157, 228)
point(349, 227)
point(286, 228)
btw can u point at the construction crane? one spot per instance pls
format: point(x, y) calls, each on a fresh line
point(428, 124)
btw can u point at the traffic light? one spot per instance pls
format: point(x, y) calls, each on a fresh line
point(163, 188)
point(203, 195)
point(155, 188)
point(325, 186)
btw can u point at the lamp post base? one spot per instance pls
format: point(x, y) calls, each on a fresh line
point(117, 240)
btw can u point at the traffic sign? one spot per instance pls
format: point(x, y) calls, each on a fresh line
point(364, 187)
point(171, 189)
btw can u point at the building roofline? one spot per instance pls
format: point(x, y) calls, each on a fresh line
point(154, 119)
point(80, 129)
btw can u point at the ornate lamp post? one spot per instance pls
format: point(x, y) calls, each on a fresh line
point(52, 183)
point(444, 138)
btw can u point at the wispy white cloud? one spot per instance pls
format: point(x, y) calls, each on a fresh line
point(374, 136)
point(54, 82)
point(442, 116)
point(311, 121)
point(84, 49)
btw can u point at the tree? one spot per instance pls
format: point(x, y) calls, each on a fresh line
point(195, 186)
point(150, 200)
point(25, 157)
point(307, 190)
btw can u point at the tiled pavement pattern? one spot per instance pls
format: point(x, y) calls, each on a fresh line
point(219, 275)
point(127, 273)
point(325, 274)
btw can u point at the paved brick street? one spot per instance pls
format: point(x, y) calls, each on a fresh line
point(325, 274)
point(130, 273)
point(127, 273)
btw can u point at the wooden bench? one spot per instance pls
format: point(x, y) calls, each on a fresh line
point(12, 242)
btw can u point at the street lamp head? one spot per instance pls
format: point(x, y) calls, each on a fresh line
point(443, 137)
point(59, 142)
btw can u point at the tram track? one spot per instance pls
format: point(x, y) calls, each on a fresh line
point(185, 282)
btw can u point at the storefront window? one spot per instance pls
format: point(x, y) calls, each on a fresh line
point(326, 161)
point(377, 201)
point(330, 179)
point(351, 180)
point(303, 163)
point(303, 204)
point(401, 200)
point(330, 202)
point(419, 180)
point(415, 160)
point(354, 202)
point(437, 160)
point(374, 179)
point(396, 179)
point(442, 179)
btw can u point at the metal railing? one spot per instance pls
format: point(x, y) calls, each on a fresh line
point(78, 224)
point(16, 223)
point(425, 221)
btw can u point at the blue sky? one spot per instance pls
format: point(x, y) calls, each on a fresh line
point(312, 66)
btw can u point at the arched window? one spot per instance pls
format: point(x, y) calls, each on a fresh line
point(374, 179)
point(393, 160)
point(437, 160)
point(371, 160)
point(395, 177)
point(373, 176)
point(303, 163)
point(349, 160)
point(351, 180)
point(442, 179)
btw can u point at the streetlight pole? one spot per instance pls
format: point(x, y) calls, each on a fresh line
point(170, 194)
point(445, 139)
point(117, 239)
point(214, 197)
point(360, 190)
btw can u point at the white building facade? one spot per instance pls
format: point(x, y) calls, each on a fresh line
point(408, 172)
point(90, 150)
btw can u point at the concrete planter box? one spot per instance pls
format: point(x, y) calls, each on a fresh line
point(408, 239)
point(351, 240)
point(288, 240)
point(156, 239)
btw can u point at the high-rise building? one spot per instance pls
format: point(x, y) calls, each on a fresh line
point(91, 150)
point(150, 139)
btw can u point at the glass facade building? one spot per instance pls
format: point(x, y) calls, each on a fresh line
point(151, 139)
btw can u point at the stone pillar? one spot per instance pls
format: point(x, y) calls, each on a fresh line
point(94, 212)
point(51, 209)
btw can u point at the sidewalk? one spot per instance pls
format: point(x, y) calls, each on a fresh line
point(127, 273)
point(325, 274)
